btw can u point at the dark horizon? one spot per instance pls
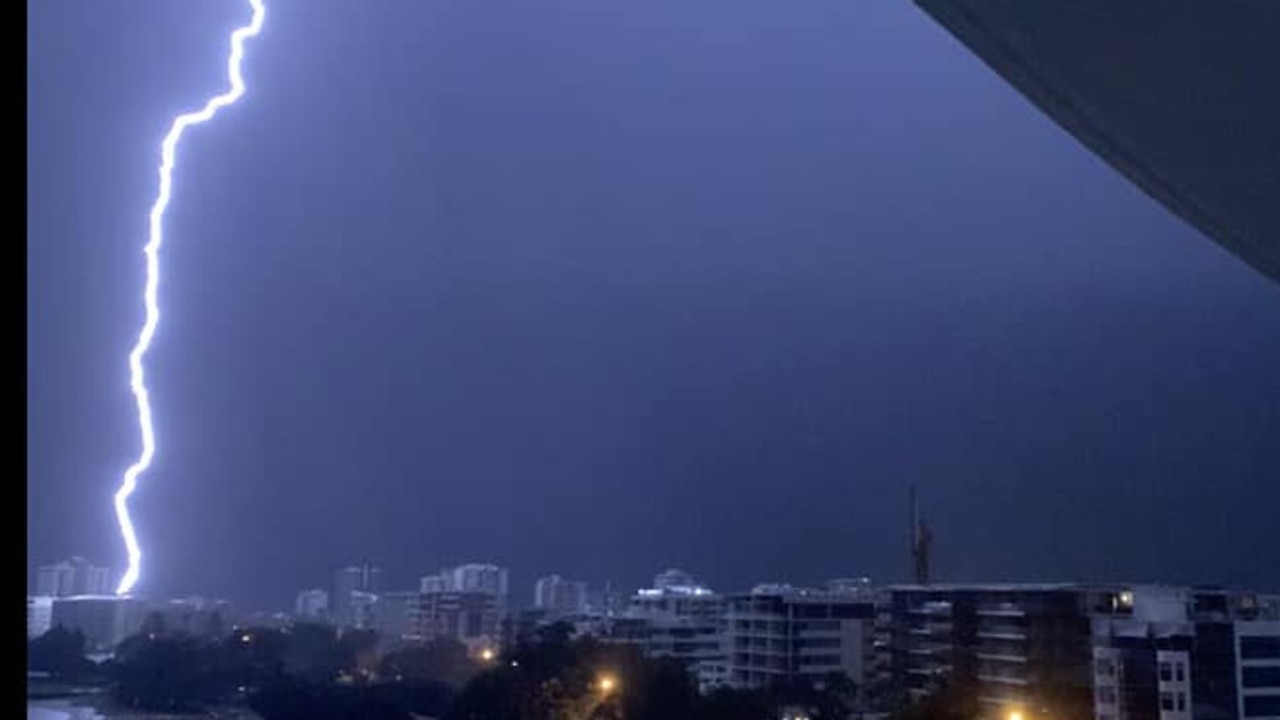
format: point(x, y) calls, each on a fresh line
point(600, 293)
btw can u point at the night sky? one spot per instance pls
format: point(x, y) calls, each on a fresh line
point(601, 287)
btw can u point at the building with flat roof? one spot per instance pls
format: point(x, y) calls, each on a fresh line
point(76, 576)
point(1021, 648)
point(777, 633)
point(105, 620)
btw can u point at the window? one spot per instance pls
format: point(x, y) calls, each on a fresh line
point(1107, 696)
point(1261, 706)
point(1105, 668)
point(1182, 702)
point(1166, 701)
point(1180, 672)
point(1260, 648)
point(1261, 677)
point(1166, 672)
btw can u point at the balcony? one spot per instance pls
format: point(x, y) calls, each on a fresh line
point(1001, 657)
point(1001, 610)
point(932, 609)
point(1002, 633)
point(1002, 679)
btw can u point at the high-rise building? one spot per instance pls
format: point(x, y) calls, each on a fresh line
point(1176, 653)
point(312, 605)
point(72, 577)
point(481, 578)
point(784, 634)
point(560, 597)
point(364, 578)
point(474, 618)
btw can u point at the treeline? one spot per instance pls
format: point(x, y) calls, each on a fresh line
point(313, 672)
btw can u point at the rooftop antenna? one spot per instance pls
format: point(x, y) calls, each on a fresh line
point(921, 540)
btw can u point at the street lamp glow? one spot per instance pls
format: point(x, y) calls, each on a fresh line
point(1015, 715)
point(486, 654)
point(607, 684)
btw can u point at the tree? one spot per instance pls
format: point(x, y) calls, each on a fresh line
point(312, 653)
point(169, 673)
point(953, 702)
point(443, 660)
point(59, 652)
point(731, 704)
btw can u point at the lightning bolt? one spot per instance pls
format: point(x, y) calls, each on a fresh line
point(137, 381)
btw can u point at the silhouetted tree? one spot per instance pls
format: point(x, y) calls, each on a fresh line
point(444, 660)
point(169, 673)
point(312, 653)
point(952, 702)
point(730, 704)
point(59, 652)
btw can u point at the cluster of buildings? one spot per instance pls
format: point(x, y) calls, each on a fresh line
point(1023, 651)
point(76, 594)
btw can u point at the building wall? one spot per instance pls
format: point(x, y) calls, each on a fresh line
point(104, 620)
point(1258, 669)
point(1016, 647)
point(798, 635)
point(39, 615)
point(72, 577)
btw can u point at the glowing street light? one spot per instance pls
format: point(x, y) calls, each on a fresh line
point(607, 684)
point(487, 654)
point(1015, 715)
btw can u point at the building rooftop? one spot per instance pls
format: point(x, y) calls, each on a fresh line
point(1181, 101)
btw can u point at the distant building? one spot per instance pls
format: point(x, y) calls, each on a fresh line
point(1176, 653)
point(680, 620)
point(312, 605)
point(361, 612)
point(39, 615)
point(395, 614)
point(195, 616)
point(364, 578)
point(479, 578)
point(437, 583)
point(72, 577)
point(105, 620)
point(560, 597)
point(669, 579)
point(780, 634)
point(474, 618)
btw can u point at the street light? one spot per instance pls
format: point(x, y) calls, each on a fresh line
point(1015, 715)
point(607, 684)
point(486, 655)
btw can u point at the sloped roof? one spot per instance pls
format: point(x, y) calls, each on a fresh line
point(1180, 96)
